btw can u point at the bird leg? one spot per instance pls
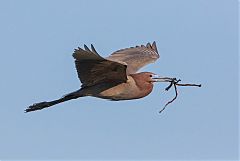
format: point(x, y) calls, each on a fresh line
point(174, 82)
point(42, 105)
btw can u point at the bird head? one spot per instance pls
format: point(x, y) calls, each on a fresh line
point(148, 77)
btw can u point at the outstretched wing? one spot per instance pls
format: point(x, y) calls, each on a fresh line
point(136, 57)
point(93, 69)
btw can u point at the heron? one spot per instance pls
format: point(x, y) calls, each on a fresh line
point(115, 77)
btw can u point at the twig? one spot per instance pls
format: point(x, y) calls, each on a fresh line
point(171, 83)
point(175, 97)
point(174, 82)
point(197, 85)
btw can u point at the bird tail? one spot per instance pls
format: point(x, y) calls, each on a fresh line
point(42, 105)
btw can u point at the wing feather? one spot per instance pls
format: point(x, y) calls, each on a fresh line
point(93, 69)
point(136, 57)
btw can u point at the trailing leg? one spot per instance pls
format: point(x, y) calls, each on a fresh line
point(42, 105)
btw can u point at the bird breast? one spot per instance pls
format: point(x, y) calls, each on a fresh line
point(125, 91)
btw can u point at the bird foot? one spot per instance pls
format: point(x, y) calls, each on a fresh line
point(37, 106)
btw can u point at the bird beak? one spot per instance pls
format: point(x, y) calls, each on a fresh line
point(157, 78)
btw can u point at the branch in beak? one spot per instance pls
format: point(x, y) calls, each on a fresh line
point(157, 78)
point(173, 82)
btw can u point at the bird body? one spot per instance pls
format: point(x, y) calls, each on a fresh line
point(132, 89)
point(112, 78)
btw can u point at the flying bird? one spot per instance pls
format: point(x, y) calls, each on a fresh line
point(115, 77)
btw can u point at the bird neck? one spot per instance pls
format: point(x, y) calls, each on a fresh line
point(144, 86)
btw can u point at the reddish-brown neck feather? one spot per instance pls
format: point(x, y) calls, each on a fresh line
point(143, 83)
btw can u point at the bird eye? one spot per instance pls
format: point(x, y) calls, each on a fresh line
point(151, 75)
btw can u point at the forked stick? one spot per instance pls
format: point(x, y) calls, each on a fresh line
point(174, 82)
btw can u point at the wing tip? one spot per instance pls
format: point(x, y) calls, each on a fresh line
point(85, 53)
point(154, 46)
point(74, 54)
point(86, 48)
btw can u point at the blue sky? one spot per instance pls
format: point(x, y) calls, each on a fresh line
point(197, 41)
